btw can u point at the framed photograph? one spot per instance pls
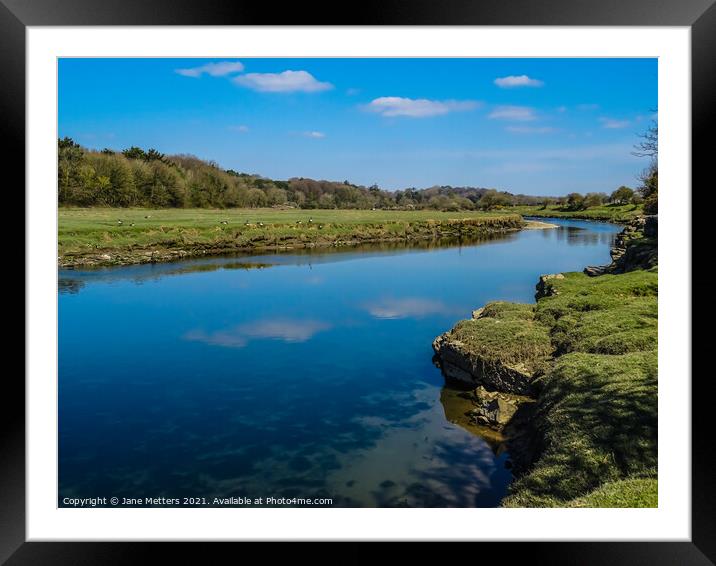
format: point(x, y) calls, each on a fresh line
point(390, 279)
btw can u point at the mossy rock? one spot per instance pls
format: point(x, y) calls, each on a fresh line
point(504, 349)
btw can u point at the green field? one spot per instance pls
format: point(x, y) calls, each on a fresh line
point(92, 236)
point(609, 212)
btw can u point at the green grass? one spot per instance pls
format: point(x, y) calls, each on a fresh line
point(506, 332)
point(88, 231)
point(610, 314)
point(596, 416)
point(595, 420)
point(632, 492)
point(610, 213)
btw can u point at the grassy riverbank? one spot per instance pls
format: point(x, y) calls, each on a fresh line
point(596, 414)
point(591, 437)
point(608, 213)
point(111, 236)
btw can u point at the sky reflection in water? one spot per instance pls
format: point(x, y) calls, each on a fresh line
point(305, 374)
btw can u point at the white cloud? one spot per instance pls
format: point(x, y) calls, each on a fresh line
point(241, 128)
point(287, 81)
point(213, 69)
point(517, 81)
point(417, 108)
point(314, 135)
point(514, 113)
point(612, 124)
point(529, 130)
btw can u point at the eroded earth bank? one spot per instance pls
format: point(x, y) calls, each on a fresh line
point(568, 385)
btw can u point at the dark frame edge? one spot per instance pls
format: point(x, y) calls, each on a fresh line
point(370, 12)
point(14, 549)
point(12, 417)
point(703, 452)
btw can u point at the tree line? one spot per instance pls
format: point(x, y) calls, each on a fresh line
point(135, 177)
point(648, 191)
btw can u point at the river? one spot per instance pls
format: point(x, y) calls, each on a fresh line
point(289, 375)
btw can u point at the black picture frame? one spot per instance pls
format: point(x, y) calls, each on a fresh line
point(16, 15)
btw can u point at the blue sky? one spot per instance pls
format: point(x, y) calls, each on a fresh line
point(534, 126)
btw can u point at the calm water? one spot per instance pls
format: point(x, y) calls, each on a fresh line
point(303, 375)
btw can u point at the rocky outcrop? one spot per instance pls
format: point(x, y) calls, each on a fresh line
point(545, 287)
point(551, 446)
point(492, 408)
point(635, 247)
point(594, 270)
point(463, 366)
point(502, 348)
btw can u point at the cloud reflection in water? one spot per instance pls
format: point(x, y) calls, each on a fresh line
point(288, 330)
point(409, 307)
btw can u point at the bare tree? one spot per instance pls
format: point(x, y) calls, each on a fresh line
point(649, 147)
point(649, 144)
